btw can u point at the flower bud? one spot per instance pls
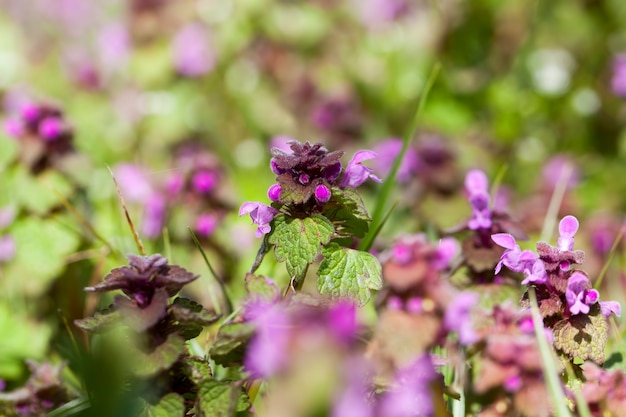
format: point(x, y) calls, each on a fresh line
point(322, 194)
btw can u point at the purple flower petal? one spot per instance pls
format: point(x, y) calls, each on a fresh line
point(476, 182)
point(505, 240)
point(356, 173)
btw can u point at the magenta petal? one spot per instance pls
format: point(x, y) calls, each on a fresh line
point(505, 240)
point(361, 156)
point(248, 207)
point(609, 307)
point(568, 226)
point(476, 182)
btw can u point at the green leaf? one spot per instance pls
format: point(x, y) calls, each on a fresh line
point(101, 320)
point(347, 212)
point(583, 336)
point(160, 359)
point(298, 241)
point(220, 399)
point(350, 273)
point(197, 369)
point(229, 345)
point(189, 318)
point(171, 405)
point(261, 288)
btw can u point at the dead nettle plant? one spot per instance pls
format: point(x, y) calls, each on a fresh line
point(316, 212)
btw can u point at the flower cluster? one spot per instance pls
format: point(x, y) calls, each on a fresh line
point(195, 182)
point(306, 177)
point(418, 306)
point(480, 254)
point(564, 294)
point(510, 364)
point(43, 133)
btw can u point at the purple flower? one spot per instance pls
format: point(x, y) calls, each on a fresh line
point(261, 215)
point(387, 152)
point(274, 192)
point(513, 257)
point(356, 173)
point(175, 183)
point(379, 13)
point(322, 194)
point(458, 318)
point(114, 46)
point(282, 142)
point(476, 182)
point(266, 353)
point(13, 128)
point(560, 168)
point(536, 274)
point(134, 183)
point(204, 181)
point(411, 396)
point(154, 216)
point(206, 224)
point(447, 250)
point(51, 128)
point(609, 307)
point(7, 248)
point(342, 320)
point(477, 187)
point(618, 81)
point(568, 226)
point(353, 401)
point(193, 53)
point(578, 286)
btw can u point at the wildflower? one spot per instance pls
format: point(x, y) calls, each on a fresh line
point(618, 81)
point(274, 192)
point(356, 173)
point(476, 185)
point(266, 353)
point(206, 224)
point(144, 274)
point(261, 215)
point(192, 51)
point(411, 396)
point(579, 294)
point(204, 181)
point(387, 152)
point(322, 194)
point(513, 257)
point(536, 274)
point(458, 317)
point(154, 216)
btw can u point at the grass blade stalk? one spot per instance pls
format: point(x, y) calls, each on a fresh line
point(548, 362)
point(389, 182)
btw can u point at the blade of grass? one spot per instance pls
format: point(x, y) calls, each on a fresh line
point(167, 245)
point(71, 408)
point(555, 203)
point(389, 182)
point(227, 303)
point(581, 404)
point(381, 225)
point(140, 247)
point(497, 181)
point(547, 359)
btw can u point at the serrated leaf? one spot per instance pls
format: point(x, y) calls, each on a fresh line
point(349, 273)
point(160, 359)
point(197, 369)
point(101, 320)
point(298, 241)
point(261, 287)
point(229, 346)
point(583, 336)
point(188, 318)
point(220, 399)
point(171, 405)
point(347, 212)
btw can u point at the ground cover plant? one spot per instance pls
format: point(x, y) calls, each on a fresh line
point(377, 208)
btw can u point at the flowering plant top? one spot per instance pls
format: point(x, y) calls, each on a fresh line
point(315, 211)
point(568, 303)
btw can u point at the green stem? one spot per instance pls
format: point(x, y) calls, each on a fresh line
point(548, 362)
point(389, 182)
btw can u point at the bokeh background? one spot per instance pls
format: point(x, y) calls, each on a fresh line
point(532, 92)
